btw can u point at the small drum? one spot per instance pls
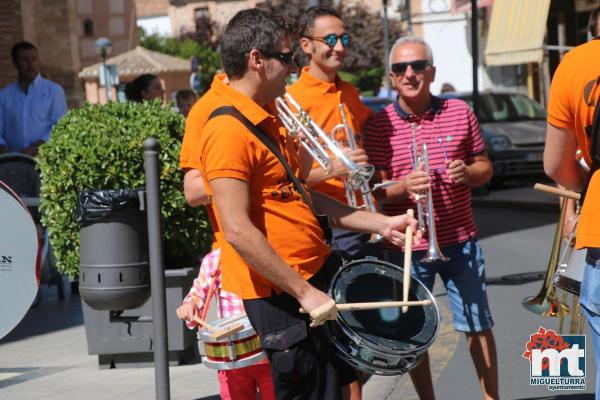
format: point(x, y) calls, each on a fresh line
point(569, 275)
point(382, 341)
point(238, 350)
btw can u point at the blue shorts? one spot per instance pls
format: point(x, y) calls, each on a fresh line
point(590, 304)
point(464, 278)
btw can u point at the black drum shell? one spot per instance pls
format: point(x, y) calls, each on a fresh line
point(368, 281)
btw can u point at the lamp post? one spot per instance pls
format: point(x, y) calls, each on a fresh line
point(104, 48)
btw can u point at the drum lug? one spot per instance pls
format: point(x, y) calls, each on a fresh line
point(231, 351)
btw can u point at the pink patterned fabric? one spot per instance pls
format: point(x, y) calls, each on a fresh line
point(228, 304)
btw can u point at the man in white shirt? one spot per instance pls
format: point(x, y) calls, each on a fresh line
point(29, 107)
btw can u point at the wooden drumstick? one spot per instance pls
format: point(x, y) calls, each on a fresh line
point(407, 258)
point(376, 305)
point(557, 191)
point(204, 324)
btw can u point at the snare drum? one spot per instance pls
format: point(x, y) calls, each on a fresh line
point(569, 275)
point(381, 341)
point(238, 350)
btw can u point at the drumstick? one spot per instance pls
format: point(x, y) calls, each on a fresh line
point(407, 258)
point(557, 191)
point(377, 304)
point(233, 319)
point(381, 304)
point(204, 324)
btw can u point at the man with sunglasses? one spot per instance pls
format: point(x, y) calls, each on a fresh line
point(319, 91)
point(273, 253)
point(457, 162)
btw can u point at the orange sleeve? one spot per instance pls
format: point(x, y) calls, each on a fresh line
point(560, 114)
point(227, 151)
point(189, 157)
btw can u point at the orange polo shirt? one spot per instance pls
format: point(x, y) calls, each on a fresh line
point(320, 100)
point(189, 157)
point(574, 92)
point(229, 150)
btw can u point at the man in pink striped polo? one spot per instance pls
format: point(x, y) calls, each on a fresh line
point(457, 162)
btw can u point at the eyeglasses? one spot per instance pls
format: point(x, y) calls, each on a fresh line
point(286, 58)
point(417, 66)
point(332, 39)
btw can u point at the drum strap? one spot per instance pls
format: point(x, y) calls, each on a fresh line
point(270, 144)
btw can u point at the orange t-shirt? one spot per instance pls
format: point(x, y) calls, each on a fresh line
point(320, 100)
point(574, 92)
point(189, 157)
point(229, 150)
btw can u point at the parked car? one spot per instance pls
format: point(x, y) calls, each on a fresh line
point(514, 130)
point(376, 104)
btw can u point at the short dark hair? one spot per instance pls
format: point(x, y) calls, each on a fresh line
point(185, 94)
point(251, 29)
point(134, 89)
point(593, 22)
point(24, 45)
point(307, 20)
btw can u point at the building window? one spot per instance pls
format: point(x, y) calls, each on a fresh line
point(88, 27)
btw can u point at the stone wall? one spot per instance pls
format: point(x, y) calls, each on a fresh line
point(11, 29)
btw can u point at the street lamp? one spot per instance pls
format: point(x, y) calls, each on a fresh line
point(104, 48)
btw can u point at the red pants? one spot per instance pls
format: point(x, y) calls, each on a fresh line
point(241, 383)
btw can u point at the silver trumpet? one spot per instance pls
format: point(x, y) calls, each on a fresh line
point(424, 201)
point(365, 189)
point(299, 121)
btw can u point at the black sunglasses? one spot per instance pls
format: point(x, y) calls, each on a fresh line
point(417, 66)
point(286, 58)
point(332, 39)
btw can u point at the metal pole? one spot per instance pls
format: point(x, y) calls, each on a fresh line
point(386, 52)
point(105, 73)
point(157, 275)
point(475, 54)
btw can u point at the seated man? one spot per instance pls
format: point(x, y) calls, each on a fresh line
point(29, 107)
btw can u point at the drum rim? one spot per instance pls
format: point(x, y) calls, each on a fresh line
point(245, 333)
point(367, 343)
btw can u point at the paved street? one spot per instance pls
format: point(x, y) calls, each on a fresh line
point(46, 355)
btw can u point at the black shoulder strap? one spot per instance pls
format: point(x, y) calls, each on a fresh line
point(594, 149)
point(270, 144)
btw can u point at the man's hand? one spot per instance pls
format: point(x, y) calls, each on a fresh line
point(457, 171)
point(358, 156)
point(320, 306)
point(395, 228)
point(186, 311)
point(418, 181)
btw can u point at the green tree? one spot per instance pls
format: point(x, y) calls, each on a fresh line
point(208, 59)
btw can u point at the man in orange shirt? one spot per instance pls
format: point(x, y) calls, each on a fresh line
point(574, 93)
point(320, 91)
point(258, 209)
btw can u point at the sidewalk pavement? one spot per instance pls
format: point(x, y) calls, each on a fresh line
point(46, 355)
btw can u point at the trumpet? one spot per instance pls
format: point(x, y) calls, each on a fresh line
point(365, 189)
point(425, 206)
point(299, 121)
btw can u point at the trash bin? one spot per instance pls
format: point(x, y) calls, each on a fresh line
point(114, 273)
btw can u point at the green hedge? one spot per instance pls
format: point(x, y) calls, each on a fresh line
point(101, 147)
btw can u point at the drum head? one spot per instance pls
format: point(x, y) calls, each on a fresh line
point(387, 328)
point(19, 260)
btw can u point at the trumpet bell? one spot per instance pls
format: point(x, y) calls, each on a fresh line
point(545, 306)
point(434, 255)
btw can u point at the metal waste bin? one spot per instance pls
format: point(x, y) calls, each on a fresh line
point(114, 272)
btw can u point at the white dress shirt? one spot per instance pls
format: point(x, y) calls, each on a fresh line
point(26, 118)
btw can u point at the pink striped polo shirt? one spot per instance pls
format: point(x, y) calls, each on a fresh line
point(451, 131)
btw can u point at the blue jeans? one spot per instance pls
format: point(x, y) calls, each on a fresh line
point(590, 304)
point(464, 278)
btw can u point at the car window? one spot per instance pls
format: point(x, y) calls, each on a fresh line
point(499, 107)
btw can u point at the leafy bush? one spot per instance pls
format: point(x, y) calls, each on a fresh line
point(101, 147)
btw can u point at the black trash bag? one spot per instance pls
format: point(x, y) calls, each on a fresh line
point(94, 205)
